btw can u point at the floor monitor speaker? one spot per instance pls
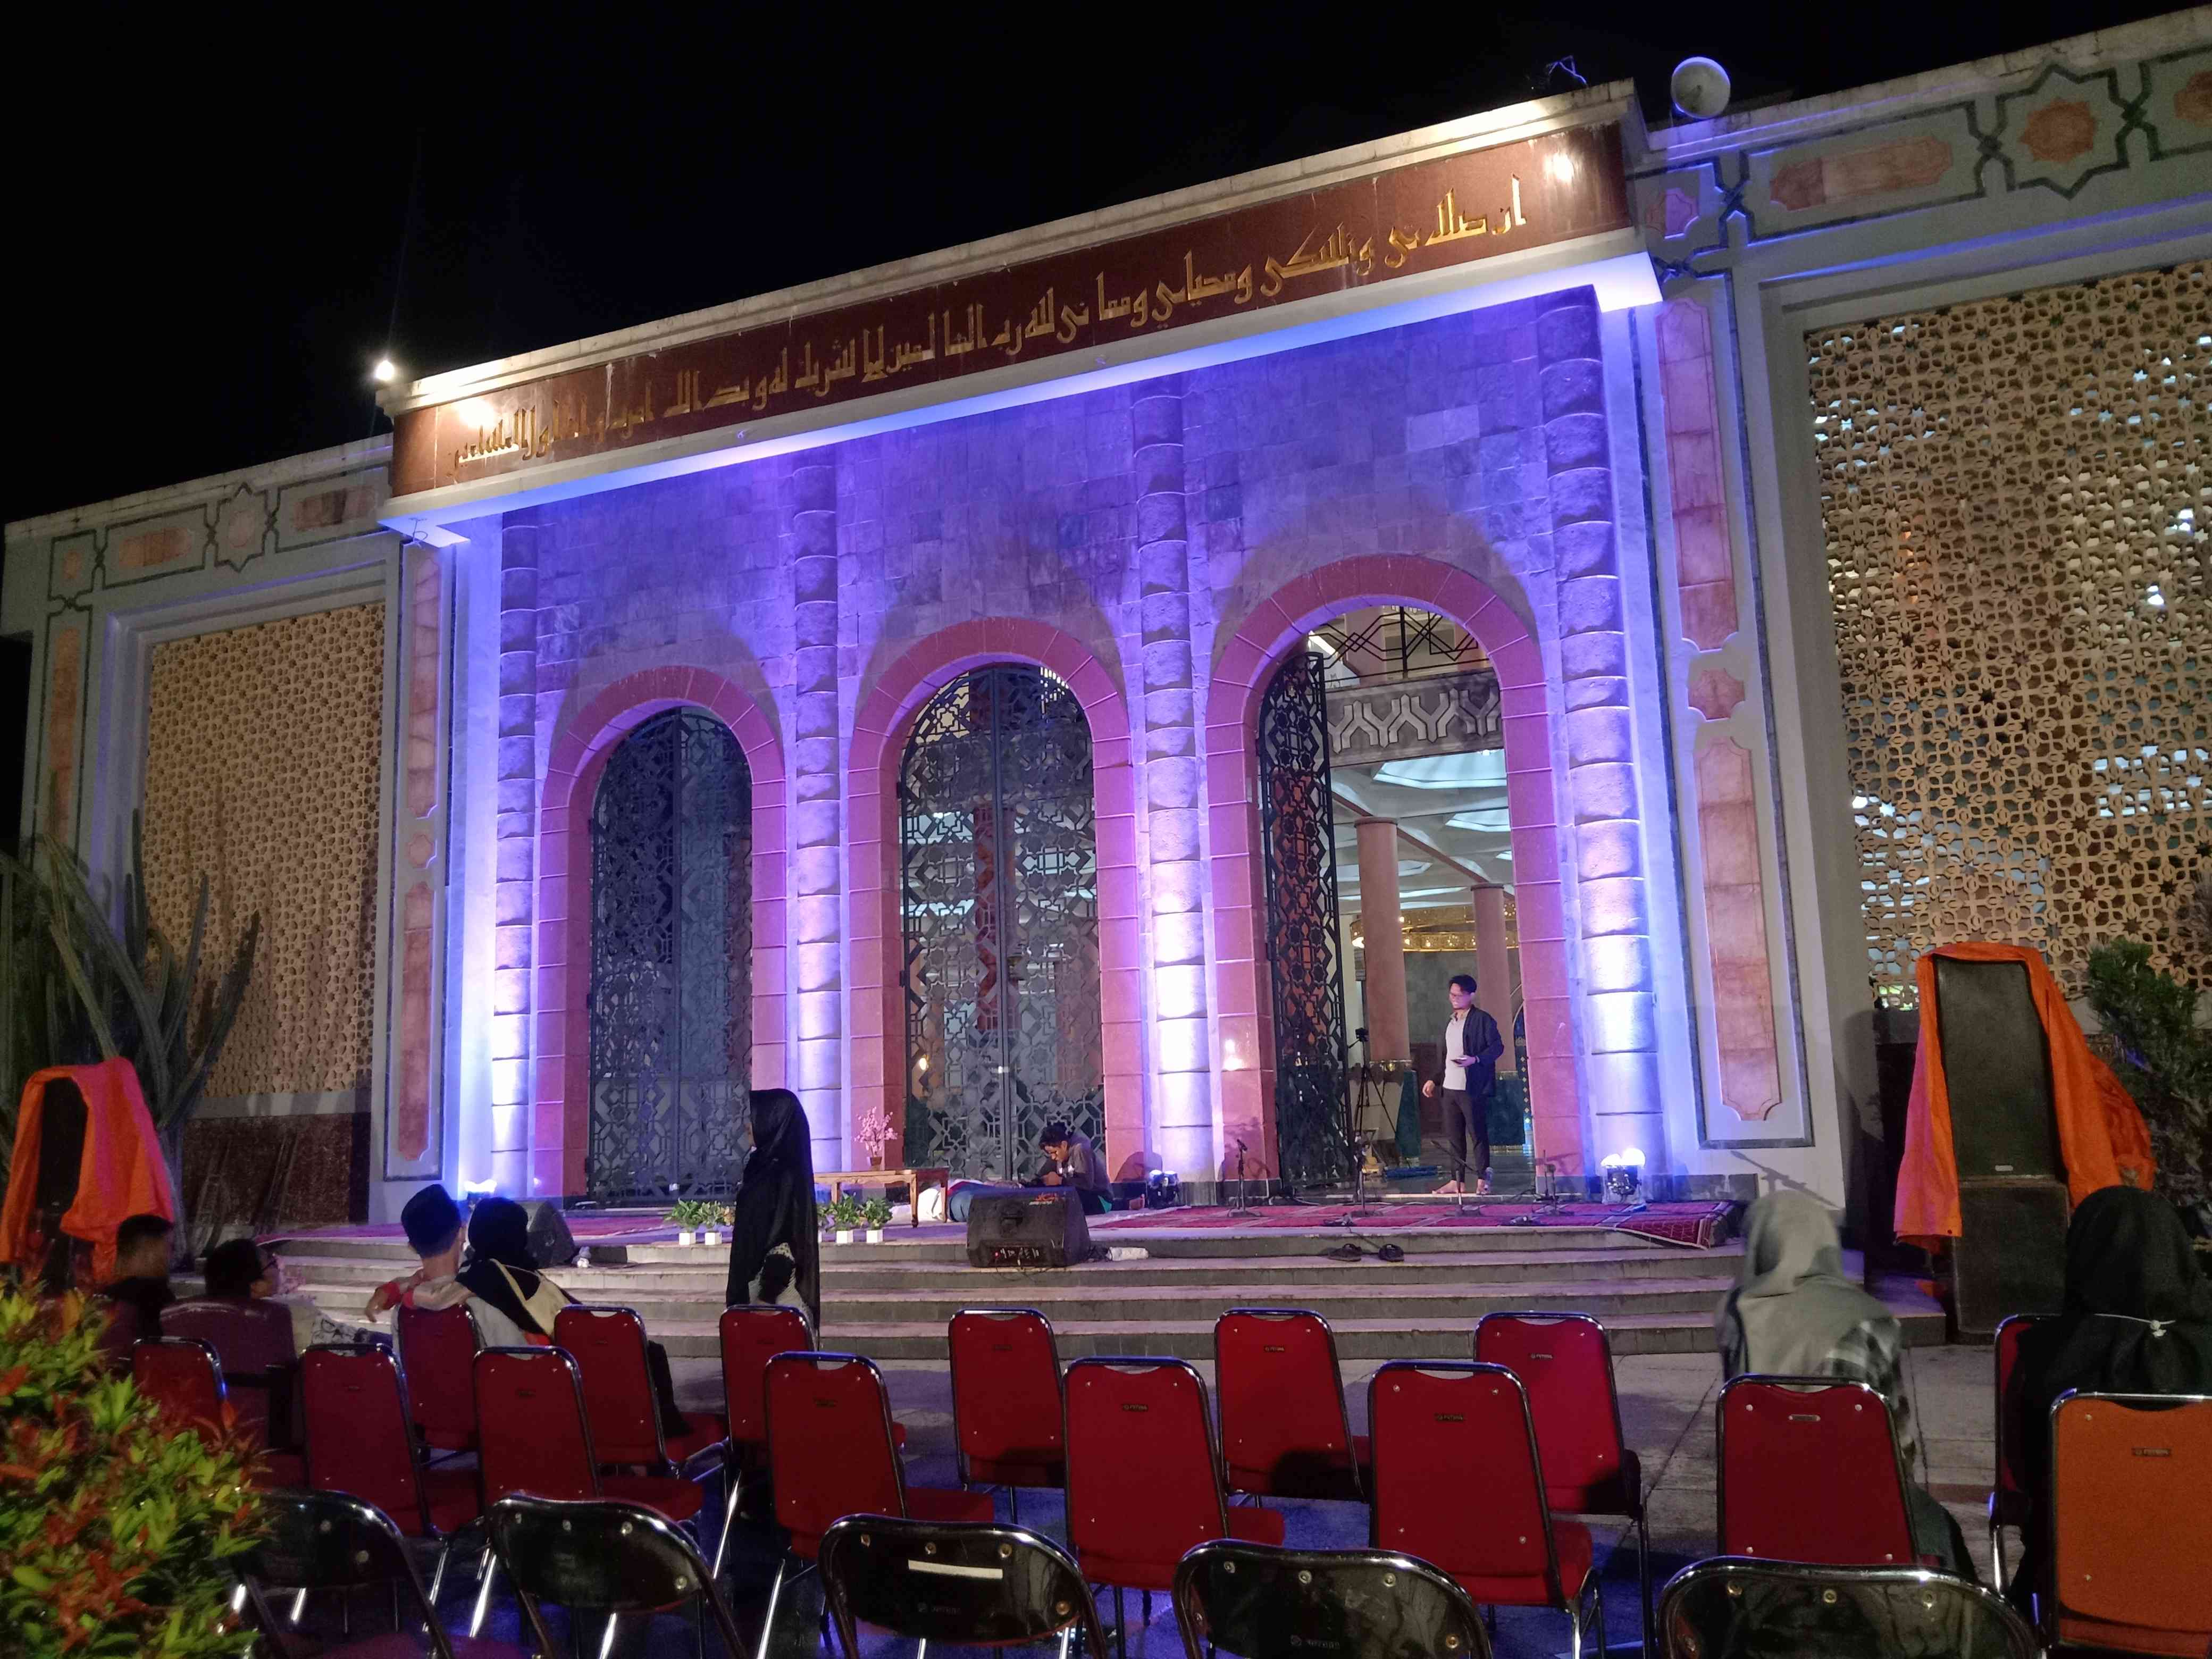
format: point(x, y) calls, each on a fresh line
point(1028, 1230)
point(2010, 1256)
point(552, 1243)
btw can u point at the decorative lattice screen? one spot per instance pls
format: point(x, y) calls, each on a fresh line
point(262, 750)
point(2017, 508)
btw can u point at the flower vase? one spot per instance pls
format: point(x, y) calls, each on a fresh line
point(844, 1235)
point(875, 1235)
point(683, 1236)
point(710, 1237)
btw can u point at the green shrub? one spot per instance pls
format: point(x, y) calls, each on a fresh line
point(2165, 1060)
point(117, 1527)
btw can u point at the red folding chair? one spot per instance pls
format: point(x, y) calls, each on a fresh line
point(1809, 1471)
point(1283, 1429)
point(260, 1368)
point(437, 1350)
point(619, 1400)
point(1008, 1410)
point(831, 1453)
point(360, 1442)
point(1144, 1479)
point(2127, 1471)
point(753, 1334)
point(1458, 1483)
point(1566, 1363)
point(2008, 1504)
point(182, 1378)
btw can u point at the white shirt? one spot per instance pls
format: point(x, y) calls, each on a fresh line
point(1456, 1050)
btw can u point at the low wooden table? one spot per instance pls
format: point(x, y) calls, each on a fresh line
point(916, 1180)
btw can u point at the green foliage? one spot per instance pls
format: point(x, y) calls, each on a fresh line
point(843, 1213)
point(876, 1212)
point(117, 1525)
point(2165, 1060)
point(697, 1212)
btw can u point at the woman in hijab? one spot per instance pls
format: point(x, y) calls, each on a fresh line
point(774, 1211)
point(2137, 1319)
point(512, 1303)
point(1795, 1312)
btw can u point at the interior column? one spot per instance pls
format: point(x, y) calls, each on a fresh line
point(1385, 947)
point(1493, 967)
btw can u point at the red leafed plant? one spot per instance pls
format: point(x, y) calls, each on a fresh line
point(118, 1526)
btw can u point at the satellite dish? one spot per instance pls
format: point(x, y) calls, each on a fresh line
point(1700, 88)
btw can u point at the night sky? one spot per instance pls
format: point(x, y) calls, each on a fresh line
point(207, 227)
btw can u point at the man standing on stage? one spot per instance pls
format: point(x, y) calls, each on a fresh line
point(1471, 1046)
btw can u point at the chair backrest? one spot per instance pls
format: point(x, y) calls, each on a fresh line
point(359, 1440)
point(2126, 1472)
point(1144, 1481)
point(1809, 1471)
point(532, 1435)
point(600, 1556)
point(437, 1347)
point(753, 1334)
point(1284, 1429)
point(1007, 1404)
point(1730, 1605)
point(1440, 1430)
point(254, 1341)
point(959, 1582)
point(181, 1376)
point(321, 1540)
point(2011, 1431)
point(1566, 1363)
point(609, 1345)
point(1255, 1600)
point(831, 1452)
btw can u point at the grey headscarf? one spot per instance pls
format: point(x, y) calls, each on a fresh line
point(1793, 1303)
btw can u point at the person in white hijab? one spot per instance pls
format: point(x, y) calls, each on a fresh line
point(1795, 1312)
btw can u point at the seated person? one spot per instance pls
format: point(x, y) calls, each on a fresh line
point(140, 1289)
point(2137, 1319)
point(431, 1222)
point(1795, 1313)
point(1072, 1161)
point(238, 1270)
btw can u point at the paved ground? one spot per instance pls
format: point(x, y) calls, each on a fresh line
point(1666, 1411)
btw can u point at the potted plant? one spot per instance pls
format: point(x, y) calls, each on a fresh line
point(723, 1215)
point(844, 1215)
point(877, 1213)
point(689, 1213)
point(120, 1529)
point(2163, 1059)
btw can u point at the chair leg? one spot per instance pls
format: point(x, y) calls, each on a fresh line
point(1014, 1504)
point(1996, 1555)
point(736, 1483)
point(438, 1573)
point(774, 1595)
point(1147, 1595)
point(1644, 1575)
point(483, 1594)
point(1120, 1624)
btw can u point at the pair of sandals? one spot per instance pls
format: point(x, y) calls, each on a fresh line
point(1348, 1251)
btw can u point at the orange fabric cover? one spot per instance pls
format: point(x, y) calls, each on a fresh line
point(2100, 1133)
point(122, 1175)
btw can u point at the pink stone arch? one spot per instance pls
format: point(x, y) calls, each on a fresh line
point(560, 1129)
point(873, 937)
point(1240, 675)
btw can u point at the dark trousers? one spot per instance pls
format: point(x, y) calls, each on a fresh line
point(1465, 1116)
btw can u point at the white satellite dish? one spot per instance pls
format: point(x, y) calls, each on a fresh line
point(1700, 88)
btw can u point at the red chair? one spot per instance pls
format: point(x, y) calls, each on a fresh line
point(437, 1350)
point(1144, 1479)
point(1458, 1483)
point(360, 1442)
point(619, 1400)
point(2126, 1472)
point(2008, 1504)
point(1284, 1430)
point(182, 1378)
point(1008, 1409)
point(254, 1341)
point(831, 1453)
point(753, 1334)
point(1809, 1471)
point(1566, 1363)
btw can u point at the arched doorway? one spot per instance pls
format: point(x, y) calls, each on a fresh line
point(671, 998)
point(999, 914)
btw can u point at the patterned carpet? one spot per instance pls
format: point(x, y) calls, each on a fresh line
point(1700, 1226)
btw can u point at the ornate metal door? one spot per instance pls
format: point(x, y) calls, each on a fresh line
point(999, 907)
point(1305, 968)
point(672, 960)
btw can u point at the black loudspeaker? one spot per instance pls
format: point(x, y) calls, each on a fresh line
point(1028, 1230)
point(1996, 1067)
point(2010, 1257)
point(552, 1243)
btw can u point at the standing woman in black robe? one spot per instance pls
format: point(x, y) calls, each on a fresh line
point(775, 1205)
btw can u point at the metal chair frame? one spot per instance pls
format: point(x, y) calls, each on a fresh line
point(2021, 1637)
point(1059, 1372)
point(1997, 1520)
point(733, 1475)
point(1719, 1443)
point(702, 1462)
point(206, 1352)
point(1344, 1415)
point(368, 1517)
point(922, 1538)
point(517, 1509)
point(1190, 1608)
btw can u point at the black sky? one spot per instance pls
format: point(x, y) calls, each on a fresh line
point(208, 217)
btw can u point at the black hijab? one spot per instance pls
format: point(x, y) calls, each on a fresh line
point(774, 1203)
point(499, 1231)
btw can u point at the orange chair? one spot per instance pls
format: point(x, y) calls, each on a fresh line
point(1284, 1432)
point(1566, 1363)
point(2009, 1505)
point(1007, 1405)
point(2129, 1569)
point(1458, 1483)
point(1809, 1471)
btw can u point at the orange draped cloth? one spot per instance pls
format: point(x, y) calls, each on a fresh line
point(122, 1173)
point(2101, 1131)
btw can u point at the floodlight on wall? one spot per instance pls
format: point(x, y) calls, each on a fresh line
point(385, 371)
point(1700, 88)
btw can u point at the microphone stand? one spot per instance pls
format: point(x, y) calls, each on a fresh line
point(1238, 1204)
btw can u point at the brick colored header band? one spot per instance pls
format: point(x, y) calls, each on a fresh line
point(1406, 222)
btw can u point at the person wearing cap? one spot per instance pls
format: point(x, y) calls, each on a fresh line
point(431, 1222)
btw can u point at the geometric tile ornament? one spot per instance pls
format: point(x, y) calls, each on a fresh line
point(262, 767)
point(2017, 500)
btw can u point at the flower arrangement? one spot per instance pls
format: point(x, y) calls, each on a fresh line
point(872, 1130)
point(118, 1527)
